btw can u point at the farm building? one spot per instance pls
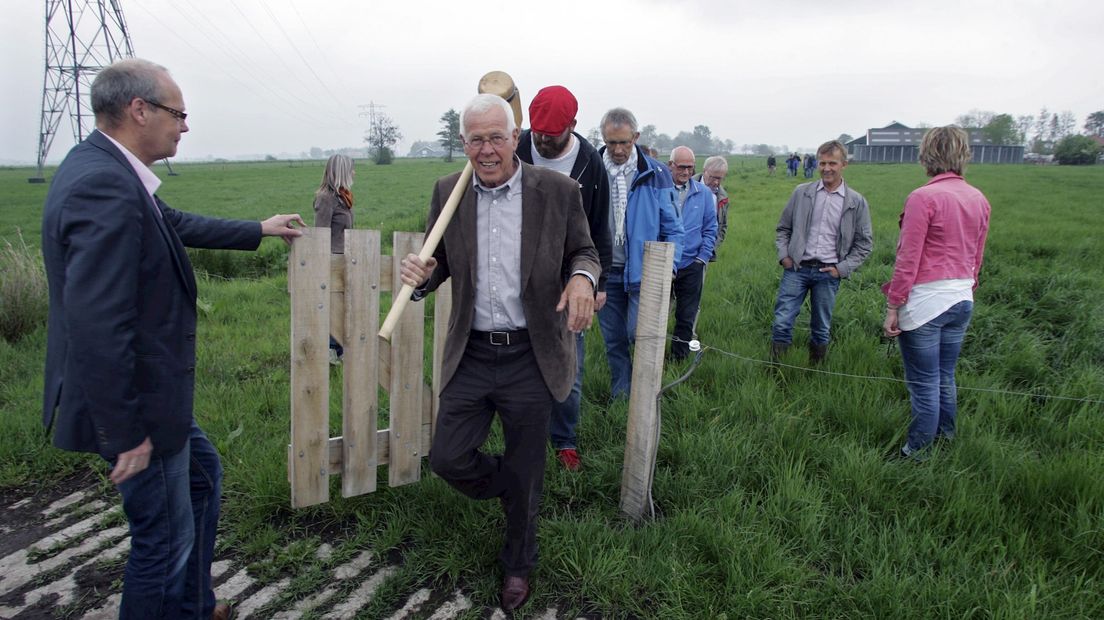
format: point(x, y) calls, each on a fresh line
point(898, 143)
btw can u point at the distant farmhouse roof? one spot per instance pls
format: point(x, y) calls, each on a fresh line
point(427, 151)
point(897, 142)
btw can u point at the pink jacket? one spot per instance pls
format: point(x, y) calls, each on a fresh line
point(943, 230)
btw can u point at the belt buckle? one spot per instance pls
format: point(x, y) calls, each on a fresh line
point(499, 338)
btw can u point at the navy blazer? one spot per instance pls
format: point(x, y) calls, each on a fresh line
point(120, 350)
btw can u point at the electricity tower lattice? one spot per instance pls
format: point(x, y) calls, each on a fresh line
point(82, 37)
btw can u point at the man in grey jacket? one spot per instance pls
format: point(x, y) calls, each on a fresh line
point(823, 236)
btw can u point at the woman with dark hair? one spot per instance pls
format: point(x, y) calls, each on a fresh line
point(930, 298)
point(333, 209)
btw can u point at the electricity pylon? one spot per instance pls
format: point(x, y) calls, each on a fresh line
point(82, 37)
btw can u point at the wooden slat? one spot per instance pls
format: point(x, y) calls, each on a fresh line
point(337, 272)
point(651, 329)
point(383, 441)
point(406, 379)
point(360, 394)
point(308, 275)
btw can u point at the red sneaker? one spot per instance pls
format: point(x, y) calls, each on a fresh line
point(569, 458)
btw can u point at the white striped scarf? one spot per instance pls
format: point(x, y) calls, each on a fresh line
point(621, 176)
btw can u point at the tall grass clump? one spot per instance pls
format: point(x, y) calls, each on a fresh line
point(23, 293)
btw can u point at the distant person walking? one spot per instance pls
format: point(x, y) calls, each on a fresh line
point(772, 163)
point(714, 171)
point(333, 209)
point(810, 165)
point(697, 206)
point(931, 296)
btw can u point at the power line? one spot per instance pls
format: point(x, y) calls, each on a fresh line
point(295, 47)
point(279, 98)
point(1086, 400)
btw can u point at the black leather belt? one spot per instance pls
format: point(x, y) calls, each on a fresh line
point(816, 264)
point(501, 338)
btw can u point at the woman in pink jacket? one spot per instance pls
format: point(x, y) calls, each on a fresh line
point(931, 296)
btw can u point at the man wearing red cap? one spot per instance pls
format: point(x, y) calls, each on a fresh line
point(551, 142)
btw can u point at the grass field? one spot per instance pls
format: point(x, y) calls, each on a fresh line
point(773, 493)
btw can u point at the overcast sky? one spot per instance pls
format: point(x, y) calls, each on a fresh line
point(280, 76)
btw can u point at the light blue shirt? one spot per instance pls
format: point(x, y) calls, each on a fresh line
point(498, 256)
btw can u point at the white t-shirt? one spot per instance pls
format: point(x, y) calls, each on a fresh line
point(930, 299)
point(563, 163)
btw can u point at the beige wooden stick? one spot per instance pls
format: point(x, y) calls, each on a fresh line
point(399, 300)
point(496, 83)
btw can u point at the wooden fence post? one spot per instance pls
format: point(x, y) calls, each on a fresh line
point(308, 281)
point(642, 435)
point(407, 389)
point(360, 390)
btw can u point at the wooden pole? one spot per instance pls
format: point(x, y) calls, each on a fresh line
point(407, 383)
point(308, 280)
point(360, 376)
point(642, 435)
point(495, 83)
point(400, 299)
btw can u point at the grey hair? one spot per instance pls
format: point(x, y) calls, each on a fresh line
point(122, 82)
point(618, 116)
point(715, 162)
point(338, 174)
point(482, 103)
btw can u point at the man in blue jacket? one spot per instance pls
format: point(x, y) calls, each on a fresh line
point(698, 209)
point(642, 208)
point(551, 142)
point(121, 336)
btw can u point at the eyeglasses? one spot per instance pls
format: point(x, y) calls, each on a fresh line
point(684, 167)
point(177, 114)
point(478, 142)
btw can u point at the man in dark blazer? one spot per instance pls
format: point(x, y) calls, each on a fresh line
point(120, 353)
point(524, 272)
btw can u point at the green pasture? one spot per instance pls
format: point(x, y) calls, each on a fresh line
point(773, 496)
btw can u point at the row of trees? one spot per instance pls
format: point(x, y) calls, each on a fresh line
point(1038, 133)
point(1046, 133)
point(1042, 133)
point(700, 140)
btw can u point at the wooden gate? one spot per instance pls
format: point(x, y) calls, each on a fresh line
point(339, 294)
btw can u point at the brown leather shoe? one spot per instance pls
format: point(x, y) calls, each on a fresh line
point(224, 610)
point(515, 591)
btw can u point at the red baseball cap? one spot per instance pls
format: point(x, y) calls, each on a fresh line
point(552, 110)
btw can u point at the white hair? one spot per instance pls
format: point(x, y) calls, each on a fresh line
point(482, 103)
point(716, 162)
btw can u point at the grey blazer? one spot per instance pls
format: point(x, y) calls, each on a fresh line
point(555, 240)
point(856, 237)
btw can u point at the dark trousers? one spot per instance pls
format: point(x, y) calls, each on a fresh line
point(173, 510)
point(687, 289)
point(505, 379)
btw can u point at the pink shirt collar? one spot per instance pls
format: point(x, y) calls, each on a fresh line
point(145, 175)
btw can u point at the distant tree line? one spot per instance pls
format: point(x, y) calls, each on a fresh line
point(1045, 133)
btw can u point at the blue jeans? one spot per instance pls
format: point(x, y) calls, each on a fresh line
point(565, 415)
point(821, 287)
point(930, 353)
point(618, 322)
point(173, 509)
